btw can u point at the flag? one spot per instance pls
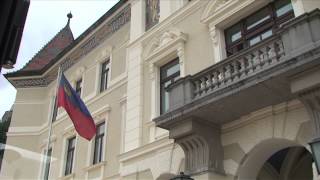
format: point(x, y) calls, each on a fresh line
point(76, 109)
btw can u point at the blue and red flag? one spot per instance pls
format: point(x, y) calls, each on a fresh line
point(76, 109)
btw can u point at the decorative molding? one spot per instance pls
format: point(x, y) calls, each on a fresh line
point(163, 42)
point(95, 166)
point(311, 100)
point(112, 26)
point(145, 149)
point(105, 54)
point(214, 6)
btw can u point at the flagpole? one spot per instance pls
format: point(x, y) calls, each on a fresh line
point(52, 116)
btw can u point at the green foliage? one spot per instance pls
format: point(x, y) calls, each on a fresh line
point(4, 126)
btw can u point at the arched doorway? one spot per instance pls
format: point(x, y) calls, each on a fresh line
point(292, 163)
point(276, 159)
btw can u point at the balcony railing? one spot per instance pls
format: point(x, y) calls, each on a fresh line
point(241, 66)
point(255, 78)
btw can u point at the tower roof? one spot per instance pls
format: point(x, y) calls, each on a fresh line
point(49, 51)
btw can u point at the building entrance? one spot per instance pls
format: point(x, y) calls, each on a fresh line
point(292, 163)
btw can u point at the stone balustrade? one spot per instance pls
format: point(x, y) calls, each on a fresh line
point(239, 67)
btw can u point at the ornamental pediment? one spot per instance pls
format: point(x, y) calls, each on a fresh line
point(164, 41)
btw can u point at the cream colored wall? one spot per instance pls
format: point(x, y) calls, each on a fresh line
point(30, 107)
point(28, 129)
point(22, 159)
point(149, 152)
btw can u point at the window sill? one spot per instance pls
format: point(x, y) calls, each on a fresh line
point(69, 176)
point(95, 166)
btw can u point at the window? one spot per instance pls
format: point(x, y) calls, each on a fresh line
point(104, 76)
point(169, 73)
point(98, 144)
point(70, 155)
point(258, 26)
point(47, 165)
point(79, 87)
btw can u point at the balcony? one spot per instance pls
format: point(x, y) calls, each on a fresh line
point(255, 78)
point(252, 79)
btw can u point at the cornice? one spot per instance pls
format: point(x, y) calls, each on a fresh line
point(73, 53)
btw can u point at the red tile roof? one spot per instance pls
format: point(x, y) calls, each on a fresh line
point(60, 41)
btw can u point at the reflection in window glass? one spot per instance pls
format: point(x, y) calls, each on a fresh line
point(260, 37)
point(169, 73)
point(258, 18)
point(283, 7)
point(233, 34)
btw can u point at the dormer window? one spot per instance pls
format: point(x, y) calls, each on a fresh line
point(258, 26)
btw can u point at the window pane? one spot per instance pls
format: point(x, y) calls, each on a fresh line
point(79, 87)
point(98, 144)
point(266, 34)
point(283, 7)
point(258, 18)
point(254, 40)
point(70, 154)
point(173, 69)
point(234, 33)
point(260, 37)
point(169, 73)
point(104, 76)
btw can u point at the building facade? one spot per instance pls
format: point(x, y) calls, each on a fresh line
point(219, 89)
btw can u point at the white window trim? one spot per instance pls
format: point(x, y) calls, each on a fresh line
point(68, 133)
point(104, 56)
point(169, 46)
point(79, 74)
point(102, 117)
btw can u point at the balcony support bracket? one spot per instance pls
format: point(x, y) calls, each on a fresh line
point(201, 143)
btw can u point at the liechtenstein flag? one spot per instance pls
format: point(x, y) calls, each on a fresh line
point(76, 109)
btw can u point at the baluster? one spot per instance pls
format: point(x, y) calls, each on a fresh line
point(256, 60)
point(242, 67)
point(249, 58)
point(264, 57)
point(209, 81)
point(236, 69)
point(280, 49)
point(272, 53)
point(228, 74)
point(215, 80)
point(203, 84)
point(197, 85)
point(222, 76)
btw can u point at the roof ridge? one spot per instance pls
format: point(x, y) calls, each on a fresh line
point(45, 45)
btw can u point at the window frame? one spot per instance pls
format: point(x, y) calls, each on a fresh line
point(104, 75)
point(70, 151)
point(169, 78)
point(101, 138)
point(78, 86)
point(273, 23)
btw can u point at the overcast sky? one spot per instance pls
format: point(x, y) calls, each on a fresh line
point(45, 19)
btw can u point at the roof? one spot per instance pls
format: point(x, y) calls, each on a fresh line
point(64, 51)
point(58, 43)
